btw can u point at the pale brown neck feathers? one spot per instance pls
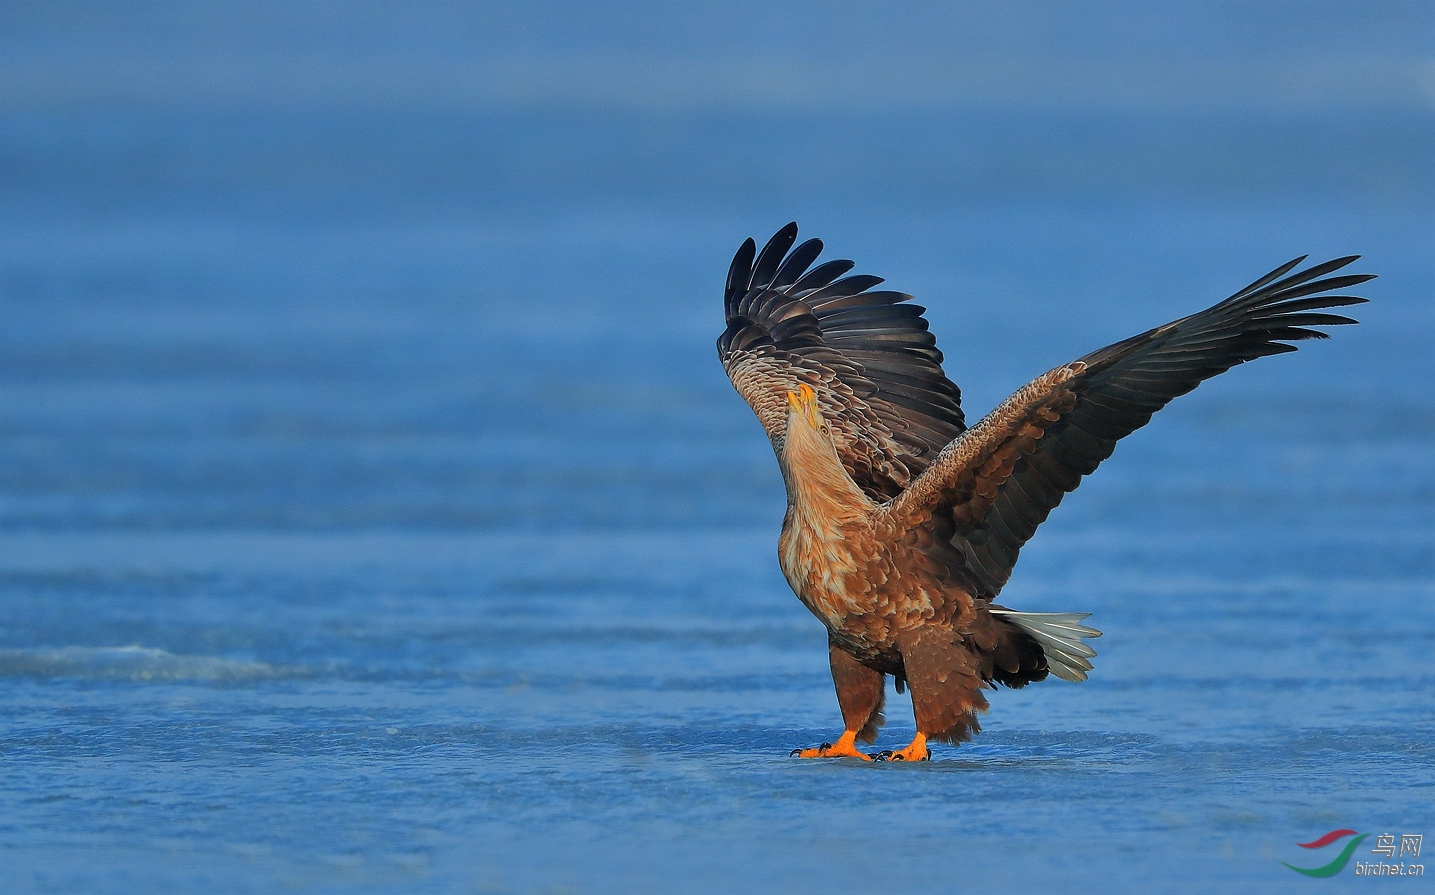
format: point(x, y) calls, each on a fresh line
point(816, 478)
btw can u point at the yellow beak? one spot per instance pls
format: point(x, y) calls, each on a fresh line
point(804, 401)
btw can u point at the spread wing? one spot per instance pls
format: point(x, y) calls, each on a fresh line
point(867, 354)
point(991, 488)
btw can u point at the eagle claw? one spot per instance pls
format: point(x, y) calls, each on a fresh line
point(890, 755)
point(796, 752)
point(843, 748)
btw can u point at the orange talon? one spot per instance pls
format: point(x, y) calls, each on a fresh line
point(916, 751)
point(845, 747)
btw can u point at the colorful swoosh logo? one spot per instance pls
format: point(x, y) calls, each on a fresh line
point(1327, 839)
point(1341, 859)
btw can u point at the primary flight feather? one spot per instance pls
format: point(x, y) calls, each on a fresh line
point(902, 523)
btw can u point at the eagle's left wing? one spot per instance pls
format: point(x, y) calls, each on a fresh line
point(989, 489)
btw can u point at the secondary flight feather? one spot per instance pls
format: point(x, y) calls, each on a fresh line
point(903, 524)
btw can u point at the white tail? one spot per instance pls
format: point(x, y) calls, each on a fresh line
point(1060, 635)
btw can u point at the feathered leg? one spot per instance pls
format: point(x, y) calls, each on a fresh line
point(860, 692)
point(943, 674)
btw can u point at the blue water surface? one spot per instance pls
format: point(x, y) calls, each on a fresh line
point(375, 516)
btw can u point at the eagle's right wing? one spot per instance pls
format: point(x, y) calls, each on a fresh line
point(867, 354)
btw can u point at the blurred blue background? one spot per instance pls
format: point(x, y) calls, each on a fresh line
point(375, 516)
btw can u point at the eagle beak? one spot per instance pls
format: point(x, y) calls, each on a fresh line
point(804, 401)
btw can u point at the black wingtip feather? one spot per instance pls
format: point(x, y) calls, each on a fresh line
point(1270, 277)
point(772, 253)
point(1311, 273)
point(798, 260)
point(1323, 301)
point(843, 288)
point(739, 274)
point(822, 275)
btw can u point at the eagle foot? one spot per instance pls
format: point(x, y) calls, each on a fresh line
point(845, 747)
point(916, 751)
point(890, 755)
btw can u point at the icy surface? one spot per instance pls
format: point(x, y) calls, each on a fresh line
point(375, 516)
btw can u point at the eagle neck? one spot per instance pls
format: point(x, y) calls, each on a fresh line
point(817, 482)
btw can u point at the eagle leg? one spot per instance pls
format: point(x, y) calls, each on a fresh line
point(860, 692)
point(943, 674)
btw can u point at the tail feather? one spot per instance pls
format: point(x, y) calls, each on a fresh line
point(1060, 636)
